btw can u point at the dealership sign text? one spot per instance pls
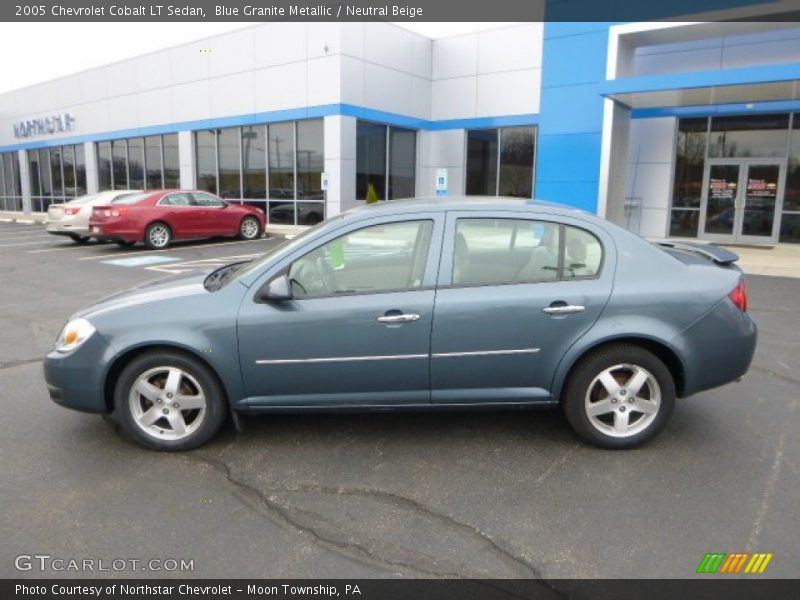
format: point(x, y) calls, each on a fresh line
point(44, 125)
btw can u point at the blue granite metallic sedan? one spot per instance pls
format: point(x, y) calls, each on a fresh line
point(419, 305)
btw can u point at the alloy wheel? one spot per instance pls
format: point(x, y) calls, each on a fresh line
point(249, 228)
point(158, 236)
point(167, 403)
point(623, 400)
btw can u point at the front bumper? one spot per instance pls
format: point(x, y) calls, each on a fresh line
point(77, 380)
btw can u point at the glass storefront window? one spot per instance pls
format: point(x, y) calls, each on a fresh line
point(104, 165)
point(517, 147)
point(402, 163)
point(482, 162)
point(172, 169)
point(135, 164)
point(310, 159)
point(152, 161)
point(750, 136)
point(206, 155)
point(380, 148)
point(80, 170)
point(687, 189)
point(500, 162)
point(281, 160)
point(11, 198)
point(45, 181)
point(230, 185)
point(254, 162)
point(56, 174)
point(370, 161)
point(119, 164)
point(68, 168)
point(790, 219)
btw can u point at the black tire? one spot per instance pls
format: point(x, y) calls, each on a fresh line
point(582, 391)
point(79, 239)
point(124, 244)
point(158, 241)
point(250, 229)
point(196, 376)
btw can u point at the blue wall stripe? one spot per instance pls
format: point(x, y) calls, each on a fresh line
point(311, 112)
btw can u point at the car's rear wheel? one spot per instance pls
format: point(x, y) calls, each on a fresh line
point(250, 228)
point(619, 396)
point(157, 236)
point(169, 401)
point(79, 239)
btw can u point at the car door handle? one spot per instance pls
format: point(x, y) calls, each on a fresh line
point(401, 318)
point(563, 309)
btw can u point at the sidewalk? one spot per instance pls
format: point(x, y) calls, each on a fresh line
point(782, 260)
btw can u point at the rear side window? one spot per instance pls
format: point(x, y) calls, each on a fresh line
point(506, 251)
point(177, 200)
point(583, 253)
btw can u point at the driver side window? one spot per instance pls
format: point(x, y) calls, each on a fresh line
point(380, 258)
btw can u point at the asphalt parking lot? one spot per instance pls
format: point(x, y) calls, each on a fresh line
point(417, 495)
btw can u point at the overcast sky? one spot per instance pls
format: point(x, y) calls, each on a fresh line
point(34, 52)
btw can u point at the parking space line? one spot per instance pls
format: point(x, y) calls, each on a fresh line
point(48, 242)
point(61, 249)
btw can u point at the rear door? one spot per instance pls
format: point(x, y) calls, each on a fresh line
point(181, 214)
point(515, 292)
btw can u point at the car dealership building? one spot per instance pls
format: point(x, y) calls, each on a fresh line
point(670, 129)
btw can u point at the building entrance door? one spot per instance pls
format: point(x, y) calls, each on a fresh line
point(741, 200)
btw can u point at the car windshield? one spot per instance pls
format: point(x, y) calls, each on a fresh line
point(131, 198)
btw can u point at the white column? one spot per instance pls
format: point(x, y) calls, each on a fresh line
point(340, 163)
point(614, 161)
point(25, 180)
point(186, 157)
point(441, 150)
point(92, 174)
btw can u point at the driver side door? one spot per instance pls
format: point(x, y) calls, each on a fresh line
point(357, 329)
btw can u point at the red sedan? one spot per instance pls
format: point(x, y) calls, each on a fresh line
point(158, 218)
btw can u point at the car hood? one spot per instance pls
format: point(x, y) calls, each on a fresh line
point(177, 286)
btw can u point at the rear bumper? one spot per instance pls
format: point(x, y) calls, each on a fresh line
point(67, 227)
point(110, 233)
point(717, 349)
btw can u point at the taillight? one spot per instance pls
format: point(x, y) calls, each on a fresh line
point(739, 296)
point(116, 212)
point(71, 210)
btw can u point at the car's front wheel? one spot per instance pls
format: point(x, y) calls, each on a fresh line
point(157, 236)
point(619, 396)
point(250, 229)
point(169, 401)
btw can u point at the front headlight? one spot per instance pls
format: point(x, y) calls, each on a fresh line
point(75, 333)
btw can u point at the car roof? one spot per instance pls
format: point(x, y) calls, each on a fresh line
point(470, 203)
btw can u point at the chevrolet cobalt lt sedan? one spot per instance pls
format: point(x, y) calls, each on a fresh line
point(419, 304)
point(158, 218)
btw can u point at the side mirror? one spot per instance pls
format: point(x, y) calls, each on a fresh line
point(276, 290)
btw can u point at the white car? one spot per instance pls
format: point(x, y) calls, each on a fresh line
point(72, 219)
